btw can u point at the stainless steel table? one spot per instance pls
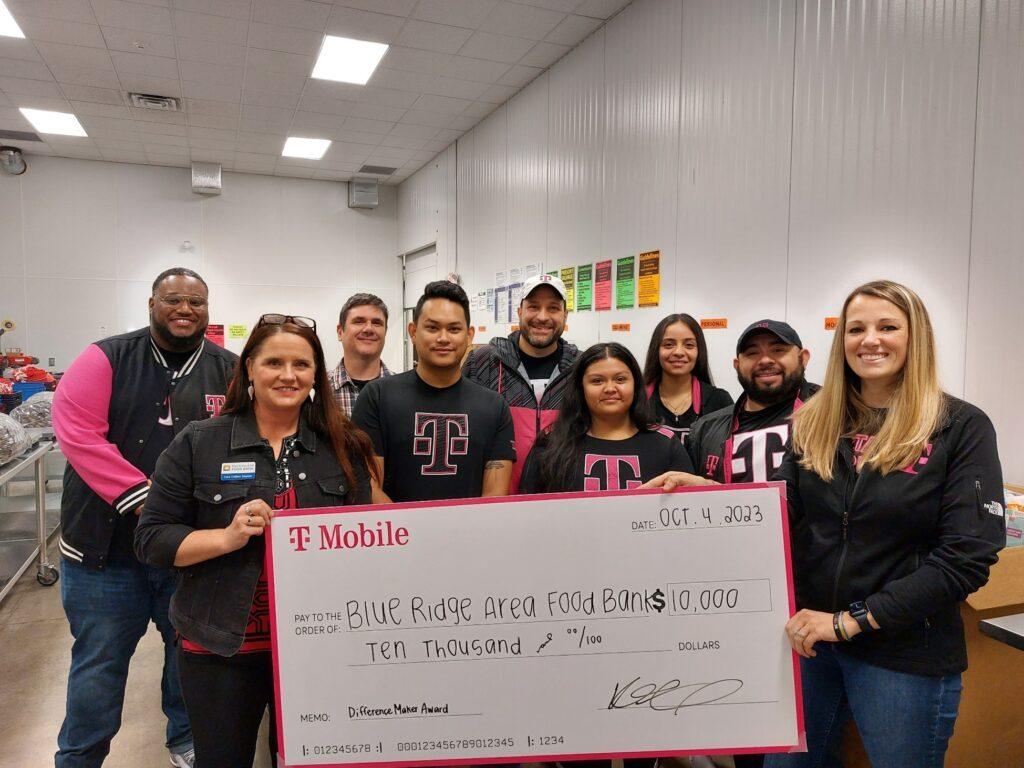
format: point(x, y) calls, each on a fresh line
point(14, 543)
point(1006, 629)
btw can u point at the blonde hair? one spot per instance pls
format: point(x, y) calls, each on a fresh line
point(914, 412)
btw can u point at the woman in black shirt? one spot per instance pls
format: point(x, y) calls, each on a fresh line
point(678, 376)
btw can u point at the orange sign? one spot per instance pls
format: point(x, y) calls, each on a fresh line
point(481, 329)
point(620, 327)
point(831, 323)
point(714, 322)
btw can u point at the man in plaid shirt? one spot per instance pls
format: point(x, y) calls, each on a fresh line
point(362, 324)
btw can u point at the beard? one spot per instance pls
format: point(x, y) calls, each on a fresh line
point(173, 343)
point(786, 390)
point(537, 340)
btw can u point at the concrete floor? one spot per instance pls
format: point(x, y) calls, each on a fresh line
point(35, 653)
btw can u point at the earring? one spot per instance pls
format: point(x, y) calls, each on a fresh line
point(312, 394)
point(250, 390)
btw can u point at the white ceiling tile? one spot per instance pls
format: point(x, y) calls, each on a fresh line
point(223, 156)
point(275, 118)
point(12, 120)
point(457, 13)
point(416, 60)
point(274, 82)
point(382, 127)
point(543, 55)
point(403, 142)
point(433, 37)
point(140, 64)
point(390, 156)
point(318, 123)
point(214, 144)
point(155, 85)
point(193, 49)
point(364, 25)
point(210, 133)
point(425, 132)
point(304, 14)
point(203, 26)
point(35, 148)
point(448, 134)
point(349, 136)
point(601, 9)
point(459, 89)
point(312, 103)
point(271, 99)
point(425, 117)
point(377, 112)
point(565, 6)
point(157, 142)
point(208, 107)
point(289, 39)
point(45, 30)
point(463, 122)
point(519, 76)
point(393, 7)
point(293, 171)
point(213, 74)
point(478, 70)
point(211, 91)
point(33, 70)
point(83, 153)
point(66, 10)
point(334, 90)
point(424, 156)
point(443, 104)
point(17, 48)
point(157, 131)
point(236, 9)
point(158, 116)
point(116, 155)
point(144, 18)
point(435, 146)
point(100, 110)
point(119, 144)
point(41, 102)
point(279, 61)
point(254, 161)
point(498, 94)
point(152, 44)
point(572, 30)
point(262, 142)
point(17, 86)
point(400, 80)
point(346, 152)
point(61, 55)
point(522, 21)
point(214, 121)
point(170, 160)
point(112, 138)
point(180, 153)
point(332, 175)
point(486, 45)
point(86, 93)
point(387, 97)
point(97, 78)
point(60, 142)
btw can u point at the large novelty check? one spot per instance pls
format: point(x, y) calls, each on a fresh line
point(569, 626)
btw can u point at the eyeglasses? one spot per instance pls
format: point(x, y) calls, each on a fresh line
point(275, 319)
point(196, 302)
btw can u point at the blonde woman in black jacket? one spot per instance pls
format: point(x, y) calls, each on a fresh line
point(894, 491)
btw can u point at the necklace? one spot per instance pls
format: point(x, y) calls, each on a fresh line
point(677, 405)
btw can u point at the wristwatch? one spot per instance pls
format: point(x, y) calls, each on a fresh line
point(859, 612)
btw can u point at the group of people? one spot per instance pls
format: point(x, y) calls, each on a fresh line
point(179, 453)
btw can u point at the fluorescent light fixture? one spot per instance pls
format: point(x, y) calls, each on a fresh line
point(45, 121)
point(311, 149)
point(347, 60)
point(8, 26)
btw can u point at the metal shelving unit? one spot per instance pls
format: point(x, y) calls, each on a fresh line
point(20, 545)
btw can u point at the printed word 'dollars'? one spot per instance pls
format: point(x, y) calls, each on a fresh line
point(336, 536)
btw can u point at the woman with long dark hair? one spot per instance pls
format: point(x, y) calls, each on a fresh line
point(604, 437)
point(678, 376)
point(280, 442)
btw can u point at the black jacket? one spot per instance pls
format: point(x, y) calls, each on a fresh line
point(212, 602)
point(104, 413)
point(911, 544)
point(709, 435)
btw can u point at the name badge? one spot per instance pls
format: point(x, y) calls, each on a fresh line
point(238, 470)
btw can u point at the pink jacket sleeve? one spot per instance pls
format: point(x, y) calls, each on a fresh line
point(80, 411)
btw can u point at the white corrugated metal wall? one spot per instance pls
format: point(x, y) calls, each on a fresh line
point(777, 153)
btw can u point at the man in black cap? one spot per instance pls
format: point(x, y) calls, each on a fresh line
point(745, 443)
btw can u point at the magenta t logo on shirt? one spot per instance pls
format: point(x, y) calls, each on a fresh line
point(440, 436)
point(614, 472)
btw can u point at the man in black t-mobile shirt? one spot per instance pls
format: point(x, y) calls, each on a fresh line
point(438, 435)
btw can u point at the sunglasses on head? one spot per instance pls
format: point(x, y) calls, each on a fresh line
point(275, 319)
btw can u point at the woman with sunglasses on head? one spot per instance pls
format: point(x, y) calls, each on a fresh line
point(894, 493)
point(678, 376)
point(280, 442)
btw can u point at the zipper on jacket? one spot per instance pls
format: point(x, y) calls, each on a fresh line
point(977, 495)
point(846, 536)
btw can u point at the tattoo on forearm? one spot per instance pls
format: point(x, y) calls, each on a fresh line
point(494, 465)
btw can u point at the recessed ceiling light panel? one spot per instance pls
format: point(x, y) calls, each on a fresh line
point(310, 149)
point(62, 123)
point(8, 26)
point(348, 61)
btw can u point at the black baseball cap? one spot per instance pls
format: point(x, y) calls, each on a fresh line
point(783, 331)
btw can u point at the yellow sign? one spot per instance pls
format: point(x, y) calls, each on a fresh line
point(649, 283)
point(238, 331)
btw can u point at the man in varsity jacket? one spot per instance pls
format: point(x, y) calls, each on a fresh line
point(529, 369)
point(118, 406)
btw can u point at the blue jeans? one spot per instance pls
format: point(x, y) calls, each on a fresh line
point(109, 612)
point(903, 719)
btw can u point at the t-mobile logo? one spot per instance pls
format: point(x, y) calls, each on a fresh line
point(214, 404)
point(441, 436)
point(614, 474)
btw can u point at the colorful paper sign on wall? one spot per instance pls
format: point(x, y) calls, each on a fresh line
point(501, 304)
point(515, 298)
point(215, 333)
point(831, 323)
point(620, 327)
point(649, 284)
point(238, 331)
point(603, 285)
point(625, 282)
point(569, 278)
point(711, 323)
point(584, 287)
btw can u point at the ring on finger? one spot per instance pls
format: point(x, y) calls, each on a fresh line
point(800, 634)
point(248, 520)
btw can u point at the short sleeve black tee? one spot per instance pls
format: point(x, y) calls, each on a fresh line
point(434, 441)
point(539, 370)
point(611, 465)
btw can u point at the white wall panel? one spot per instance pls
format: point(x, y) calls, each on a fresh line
point(528, 175)
point(641, 150)
point(883, 145)
point(426, 209)
point(491, 190)
point(995, 322)
point(737, 76)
